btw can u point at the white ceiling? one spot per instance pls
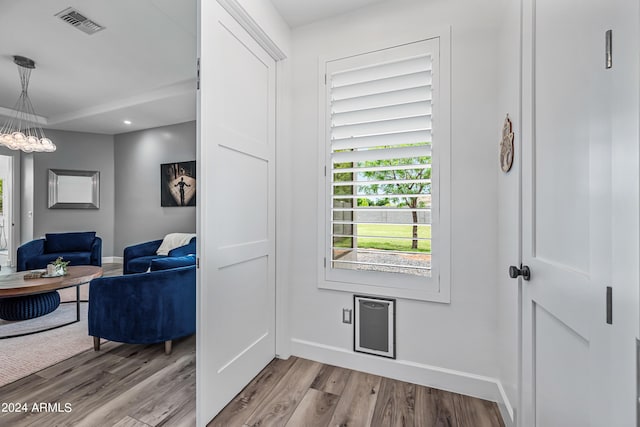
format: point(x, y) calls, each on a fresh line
point(301, 12)
point(140, 68)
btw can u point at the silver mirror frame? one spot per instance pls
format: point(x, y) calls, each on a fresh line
point(54, 189)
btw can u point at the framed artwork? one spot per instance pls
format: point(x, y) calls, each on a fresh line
point(74, 189)
point(178, 184)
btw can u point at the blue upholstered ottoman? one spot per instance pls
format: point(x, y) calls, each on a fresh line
point(28, 307)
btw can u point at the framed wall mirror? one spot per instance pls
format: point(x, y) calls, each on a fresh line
point(74, 189)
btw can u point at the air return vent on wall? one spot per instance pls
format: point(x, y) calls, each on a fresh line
point(375, 326)
point(72, 17)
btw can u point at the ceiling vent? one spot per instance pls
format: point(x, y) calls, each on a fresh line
point(72, 17)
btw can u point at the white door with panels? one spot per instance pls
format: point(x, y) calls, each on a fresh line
point(566, 167)
point(236, 215)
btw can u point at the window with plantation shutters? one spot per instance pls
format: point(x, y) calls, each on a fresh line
point(382, 169)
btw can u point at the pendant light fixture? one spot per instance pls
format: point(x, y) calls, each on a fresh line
point(22, 131)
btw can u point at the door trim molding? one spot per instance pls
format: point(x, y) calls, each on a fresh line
point(466, 383)
point(235, 9)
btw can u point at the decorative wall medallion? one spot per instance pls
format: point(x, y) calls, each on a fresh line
point(506, 145)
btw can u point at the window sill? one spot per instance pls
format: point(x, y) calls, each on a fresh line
point(441, 296)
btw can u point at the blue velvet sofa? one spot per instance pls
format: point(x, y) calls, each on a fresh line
point(145, 308)
point(83, 248)
point(137, 258)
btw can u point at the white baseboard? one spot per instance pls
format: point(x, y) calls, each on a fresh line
point(508, 417)
point(112, 260)
point(431, 376)
point(506, 409)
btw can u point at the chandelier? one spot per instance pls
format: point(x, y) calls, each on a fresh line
point(22, 131)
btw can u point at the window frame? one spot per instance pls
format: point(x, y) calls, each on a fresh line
point(397, 285)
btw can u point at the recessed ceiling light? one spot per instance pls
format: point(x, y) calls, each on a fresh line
point(127, 122)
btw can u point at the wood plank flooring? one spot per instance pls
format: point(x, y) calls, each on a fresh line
point(121, 385)
point(139, 386)
point(108, 270)
point(301, 393)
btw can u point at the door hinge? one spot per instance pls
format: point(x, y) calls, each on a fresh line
point(325, 262)
point(608, 35)
point(325, 79)
point(609, 305)
point(325, 171)
point(198, 74)
point(198, 262)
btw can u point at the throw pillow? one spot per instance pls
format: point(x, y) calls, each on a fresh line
point(174, 240)
point(172, 262)
point(69, 242)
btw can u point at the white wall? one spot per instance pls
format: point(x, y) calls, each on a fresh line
point(129, 166)
point(269, 20)
point(5, 172)
point(13, 224)
point(6, 217)
point(509, 236)
point(625, 209)
point(461, 335)
point(138, 156)
point(26, 197)
point(76, 151)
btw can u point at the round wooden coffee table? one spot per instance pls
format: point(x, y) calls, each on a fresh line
point(14, 286)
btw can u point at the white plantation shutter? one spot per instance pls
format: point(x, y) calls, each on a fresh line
point(380, 120)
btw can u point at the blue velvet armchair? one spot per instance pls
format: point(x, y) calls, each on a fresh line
point(137, 258)
point(83, 248)
point(145, 308)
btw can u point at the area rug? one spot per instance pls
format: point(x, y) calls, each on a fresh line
point(27, 355)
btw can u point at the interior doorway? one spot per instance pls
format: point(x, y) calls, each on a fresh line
point(7, 250)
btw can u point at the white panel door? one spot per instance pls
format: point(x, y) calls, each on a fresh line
point(566, 171)
point(236, 212)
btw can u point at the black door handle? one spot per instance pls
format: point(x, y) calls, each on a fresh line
point(523, 271)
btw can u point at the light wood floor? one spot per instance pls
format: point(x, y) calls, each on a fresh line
point(301, 393)
point(139, 386)
point(111, 269)
point(108, 270)
point(121, 385)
